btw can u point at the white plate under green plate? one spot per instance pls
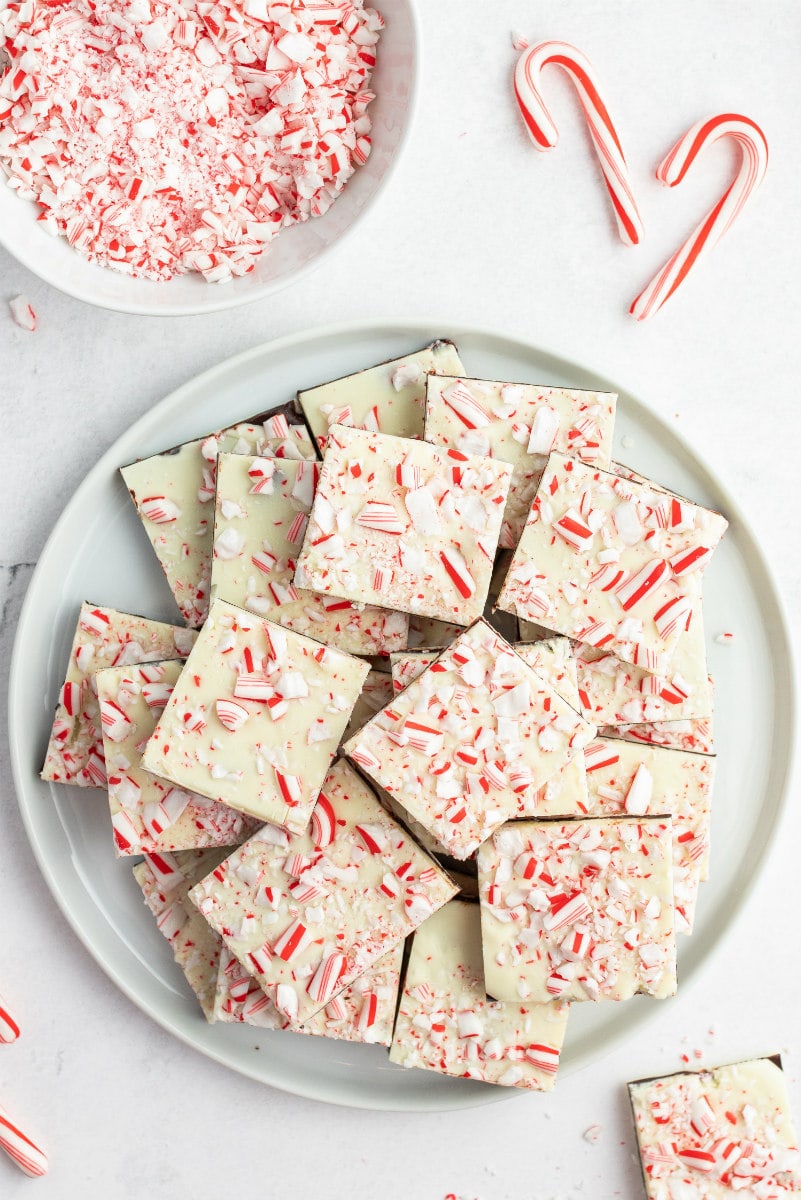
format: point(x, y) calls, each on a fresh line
point(98, 552)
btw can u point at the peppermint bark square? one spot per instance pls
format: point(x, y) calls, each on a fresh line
point(173, 493)
point(165, 880)
point(610, 562)
point(476, 735)
point(519, 423)
point(255, 717)
point(578, 910)
point(260, 517)
point(387, 398)
point(400, 523)
point(719, 1133)
point(309, 914)
point(103, 638)
point(147, 814)
point(363, 1012)
point(636, 779)
point(446, 1023)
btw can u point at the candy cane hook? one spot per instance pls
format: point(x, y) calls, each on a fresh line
point(20, 1149)
point(672, 170)
point(544, 135)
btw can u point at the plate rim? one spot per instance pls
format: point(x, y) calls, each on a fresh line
point(109, 461)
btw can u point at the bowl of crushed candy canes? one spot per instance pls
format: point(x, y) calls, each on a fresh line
point(171, 158)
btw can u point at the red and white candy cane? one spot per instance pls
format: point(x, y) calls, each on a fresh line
point(544, 134)
point(673, 169)
point(9, 1029)
point(20, 1149)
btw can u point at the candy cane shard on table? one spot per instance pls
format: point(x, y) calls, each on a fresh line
point(149, 815)
point(611, 562)
point(308, 914)
point(401, 523)
point(260, 517)
point(255, 717)
point(20, 1149)
point(225, 991)
point(672, 170)
point(174, 492)
point(519, 423)
point(446, 1023)
point(470, 741)
point(103, 638)
point(9, 1029)
point(387, 398)
point(639, 780)
point(578, 910)
point(543, 133)
point(717, 1133)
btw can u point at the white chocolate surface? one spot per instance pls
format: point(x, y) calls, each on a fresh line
point(387, 398)
point(309, 914)
point(287, 701)
point(376, 692)
point(714, 1134)
point(447, 1024)
point(103, 638)
point(424, 545)
point(519, 423)
point(147, 814)
point(260, 514)
point(610, 562)
point(630, 777)
point(470, 740)
point(578, 910)
point(173, 494)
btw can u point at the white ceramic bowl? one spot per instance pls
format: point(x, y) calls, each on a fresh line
point(294, 252)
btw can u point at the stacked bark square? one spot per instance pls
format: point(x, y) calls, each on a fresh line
point(308, 819)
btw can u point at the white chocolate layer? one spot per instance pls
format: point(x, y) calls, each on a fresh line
point(578, 910)
point(260, 516)
point(103, 638)
point(147, 814)
point(173, 492)
point(711, 1135)
point(399, 523)
point(387, 398)
point(694, 736)
point(375, 694)
point(255, 717)
point(446, 1023)
point(470, 740)
point(519, 423)
point(636, 779)
point(610, 562)
point(309, 914)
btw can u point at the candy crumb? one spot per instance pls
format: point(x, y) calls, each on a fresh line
point(627, 441)
point(592, 1134)
point(519, 41)
point(23, 314)
point(723, 638)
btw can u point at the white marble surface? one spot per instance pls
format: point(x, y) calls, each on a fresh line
point(477, 228)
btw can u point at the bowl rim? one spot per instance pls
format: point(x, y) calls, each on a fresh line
point(229, 301)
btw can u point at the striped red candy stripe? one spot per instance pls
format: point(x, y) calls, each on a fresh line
point(544, 134)
point(9, 1029)
point(673, 168)
point(20, 1149)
